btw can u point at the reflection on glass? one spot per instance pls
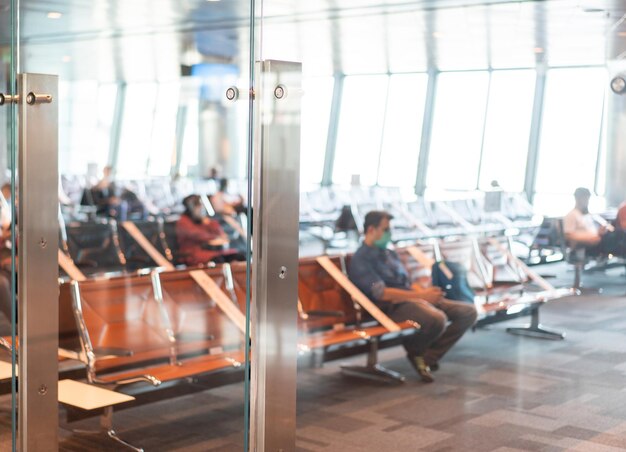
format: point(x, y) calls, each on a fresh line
point(456, 139)
point(570, 129)
point(137, 123)
point(85, 123)
point(600, 187)
point(163, 141)
point(403, 130)
point(191, 138)
point(507, 129)
point(360, 128)
point(316, 102)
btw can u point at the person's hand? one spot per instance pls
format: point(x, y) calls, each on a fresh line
point(218, 242)
point(430, 294)
point(115, 201)
point(593, 240)
point(5, 263)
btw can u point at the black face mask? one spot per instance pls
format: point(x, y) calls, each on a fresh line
point(584, 210)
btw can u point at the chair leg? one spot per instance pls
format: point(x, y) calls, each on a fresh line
point(106, 424)
point(106, 428)
point(372, 370)
point(578, 270)
point(535, 329)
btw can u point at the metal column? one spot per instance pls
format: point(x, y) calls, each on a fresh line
point(37, 262)
point(275, 257)
point(532, 158)
point(427, 128)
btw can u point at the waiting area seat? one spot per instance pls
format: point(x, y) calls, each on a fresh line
point(516, 298)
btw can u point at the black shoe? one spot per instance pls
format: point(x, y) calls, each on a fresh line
point(434, 367)
point(421, 368)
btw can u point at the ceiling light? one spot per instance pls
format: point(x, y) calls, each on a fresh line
point(621, 34)
point(437, 34)
point(66, 59)
point(538, 50)
point(618, 84)
point(592, 10)
point(54, 15)
point(212, 0)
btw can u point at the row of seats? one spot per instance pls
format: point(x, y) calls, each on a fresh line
point(161, 195)
point(326, 214)
point(107, 246)
point(136, 333)
point(131, 328)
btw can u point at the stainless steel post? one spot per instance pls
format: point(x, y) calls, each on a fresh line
point(38, 272)
point(275, 257)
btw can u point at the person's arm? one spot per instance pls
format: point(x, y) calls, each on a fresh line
point(583, 237)
point(577, 235)
point(364, 276)
point(394, 295)
point(187, 230)
point(430, 294)
point(216, 231)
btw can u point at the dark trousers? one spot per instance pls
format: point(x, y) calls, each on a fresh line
point(434, 339)
point(610, 243)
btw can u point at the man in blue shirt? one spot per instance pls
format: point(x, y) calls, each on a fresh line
point(379, 274)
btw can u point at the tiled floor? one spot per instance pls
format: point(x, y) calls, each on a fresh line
point(494, 392)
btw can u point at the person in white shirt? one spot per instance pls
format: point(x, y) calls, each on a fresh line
point(579, 226)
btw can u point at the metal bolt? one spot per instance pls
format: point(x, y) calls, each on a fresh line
point(32, 98)
point(280, 91)
point(283, 272)
point(43, 390)
point(43, 242)
point(7, 99)
point(232, 93)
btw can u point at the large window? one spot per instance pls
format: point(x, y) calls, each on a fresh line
point(402, 130)
point(136, 134)
point(191, 140)
point(316, 102)
point(507, 129)
point(163, 142)
point(360, 129)
point(85, 123)
point(460, 103)
point(570, 132)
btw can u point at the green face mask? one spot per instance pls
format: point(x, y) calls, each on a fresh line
point(383, 241)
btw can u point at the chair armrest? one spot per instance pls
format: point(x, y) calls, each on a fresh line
point(320, 313)
point(113, 351)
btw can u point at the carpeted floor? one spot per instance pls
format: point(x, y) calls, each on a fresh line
point(494, 392)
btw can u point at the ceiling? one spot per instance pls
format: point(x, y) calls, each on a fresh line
point(149, 39)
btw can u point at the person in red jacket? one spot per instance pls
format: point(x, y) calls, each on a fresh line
point(200, 238)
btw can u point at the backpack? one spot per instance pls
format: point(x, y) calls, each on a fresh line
point(452, 278)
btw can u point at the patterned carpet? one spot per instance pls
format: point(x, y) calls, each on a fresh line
point(494, 392)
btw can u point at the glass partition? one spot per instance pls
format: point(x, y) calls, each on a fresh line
point(154, 219)
point(8, 154)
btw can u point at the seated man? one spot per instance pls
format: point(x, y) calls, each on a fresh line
point(379, 273)
point(580, 229)
point(201, 239)
point(225, 203)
